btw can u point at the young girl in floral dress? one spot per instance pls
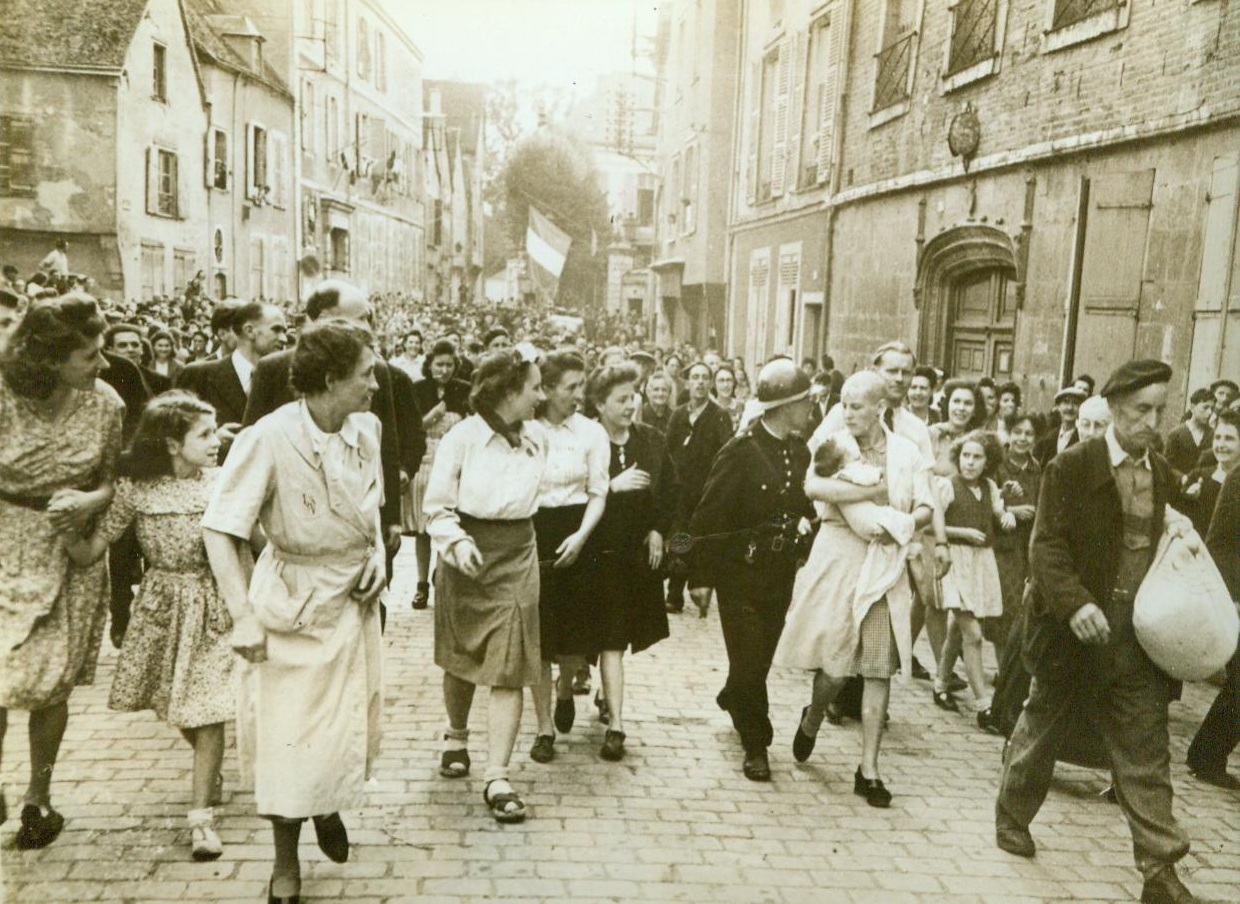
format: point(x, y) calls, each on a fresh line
point(177, 659)
point(971, 589)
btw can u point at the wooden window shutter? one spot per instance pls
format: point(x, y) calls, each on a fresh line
point(1115, 240)
point(755, 126)
point(828, 100)
point(779, 149)
point(251, 187)
point(208, 168)
point(152, 180)
point(175, 178)
point(796, 108)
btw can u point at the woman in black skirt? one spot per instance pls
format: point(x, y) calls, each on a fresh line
point(626, 589)
point(571, 498)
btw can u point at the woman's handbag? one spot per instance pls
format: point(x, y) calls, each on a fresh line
point(1183, 616)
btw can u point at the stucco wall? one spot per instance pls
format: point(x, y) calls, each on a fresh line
point(75, 151)
point(177, 124)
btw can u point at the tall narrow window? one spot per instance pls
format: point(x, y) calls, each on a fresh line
point(333, 130)
point(380, 62)
point(159, 72)
point(895, 58)
point(161, 182)
point(217, 162)
point(331, 30)
point(974, 25)
point(309, 119)
point(821, 95)
point(16, 155)
point(766, 124)
point(363, 50)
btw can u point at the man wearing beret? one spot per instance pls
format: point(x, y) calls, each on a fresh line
point(1101, 511)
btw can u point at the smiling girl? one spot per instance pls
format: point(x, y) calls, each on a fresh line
point(177, 659)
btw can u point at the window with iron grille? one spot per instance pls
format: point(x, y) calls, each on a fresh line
point(1069, 12)
point(974, 25)
point(895, 59)
point(17, 170)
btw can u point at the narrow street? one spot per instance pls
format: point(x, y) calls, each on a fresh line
point(675, 821)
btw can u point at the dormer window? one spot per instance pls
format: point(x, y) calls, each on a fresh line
point(159, 72)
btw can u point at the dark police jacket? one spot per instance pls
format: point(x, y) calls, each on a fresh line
point(744, 496)
point(1075, 550)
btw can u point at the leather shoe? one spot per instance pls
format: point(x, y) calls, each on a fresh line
point(1165, 887)
point(285, 899)
point(802, 743)
point(565, 713)
point(944, 700)
point(757, 767)
point(332, 837)
point(872, 789)
point(919, 671)
point(1014, 839)
point(38, 830)
point(613, 746)
point(1219, 778)
point(543, 750)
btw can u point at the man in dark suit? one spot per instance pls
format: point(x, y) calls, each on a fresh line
point(696, 431)
point(1187, 441)
point(269, 389)
point(1067, 404)
point(224, 383)
point(127, 341)
point(1102, 508)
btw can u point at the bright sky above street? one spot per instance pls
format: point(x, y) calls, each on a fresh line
point(561, 42)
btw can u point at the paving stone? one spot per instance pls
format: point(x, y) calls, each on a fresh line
point(675, 821)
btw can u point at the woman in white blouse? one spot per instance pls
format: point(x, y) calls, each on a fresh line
point(571, 498)
point(480, 499)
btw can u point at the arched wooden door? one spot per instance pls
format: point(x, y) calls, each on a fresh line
point(982, 324)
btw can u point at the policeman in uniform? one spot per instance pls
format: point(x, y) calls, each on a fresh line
point(1104, 504)
point(749, 532)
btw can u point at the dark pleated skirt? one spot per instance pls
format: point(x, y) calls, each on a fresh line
point(568, 614)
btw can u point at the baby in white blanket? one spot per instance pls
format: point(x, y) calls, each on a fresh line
point(888, 530)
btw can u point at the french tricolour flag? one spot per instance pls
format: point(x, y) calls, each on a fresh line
point(547, 246)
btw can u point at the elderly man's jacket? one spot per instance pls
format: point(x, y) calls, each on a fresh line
point(1075, 550)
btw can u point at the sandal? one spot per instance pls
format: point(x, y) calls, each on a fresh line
point(454, 763)
point(506, 807)
point(944, 700)
point(38, 830)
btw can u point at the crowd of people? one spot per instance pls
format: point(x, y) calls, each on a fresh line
point(248, 473)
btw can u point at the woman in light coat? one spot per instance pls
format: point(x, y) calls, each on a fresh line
point(306, 620)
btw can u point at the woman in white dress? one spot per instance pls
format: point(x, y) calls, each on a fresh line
point(840, 624)
point(306, 620)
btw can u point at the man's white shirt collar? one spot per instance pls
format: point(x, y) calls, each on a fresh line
point(1117, 454)
point(245, 370)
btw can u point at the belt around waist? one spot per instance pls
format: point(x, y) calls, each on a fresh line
point(467, 520)
point(354, 556)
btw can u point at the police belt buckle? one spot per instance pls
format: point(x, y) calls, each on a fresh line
point(777, 543)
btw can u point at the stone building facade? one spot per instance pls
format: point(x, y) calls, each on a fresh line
point(102, 118)
point(1030, 189)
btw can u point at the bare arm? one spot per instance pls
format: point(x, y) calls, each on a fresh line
point(230, 563)
point(838, 492)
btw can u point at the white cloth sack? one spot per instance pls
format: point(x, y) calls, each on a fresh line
point(1183, 616)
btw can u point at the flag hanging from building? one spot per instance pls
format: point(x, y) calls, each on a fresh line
point(547, 246)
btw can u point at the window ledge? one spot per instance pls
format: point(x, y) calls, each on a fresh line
point(887, 114)
point(1095, 26)
point(974, 73)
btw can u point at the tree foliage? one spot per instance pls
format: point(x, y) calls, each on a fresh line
point(556, 173)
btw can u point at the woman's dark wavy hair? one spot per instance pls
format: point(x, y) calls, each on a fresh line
point(980, 414)
point(438, 350)
point(163, 334)
point(500, 374)
point(51, 330)
point(1011, 389)
point(168, 416)
point(606, 379)
point(330, 347)
point(553, 367)
point(990, 445)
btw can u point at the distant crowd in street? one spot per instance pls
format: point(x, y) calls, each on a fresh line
point(226, 484)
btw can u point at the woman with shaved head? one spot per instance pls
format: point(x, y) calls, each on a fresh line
point(845, 619)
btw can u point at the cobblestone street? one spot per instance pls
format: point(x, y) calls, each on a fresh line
point(675, 821)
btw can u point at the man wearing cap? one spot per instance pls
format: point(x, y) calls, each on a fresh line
point(746, 527)
point(1225, 392)
point(1067, 404)
point(1102, 508)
